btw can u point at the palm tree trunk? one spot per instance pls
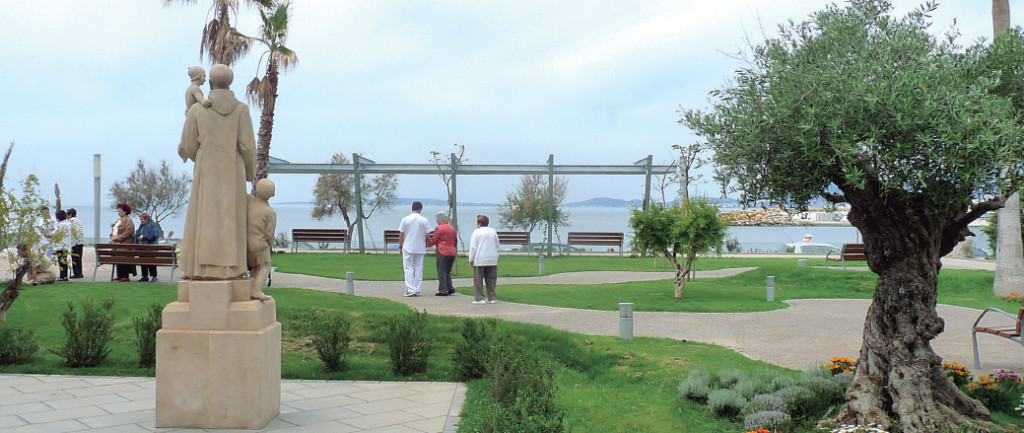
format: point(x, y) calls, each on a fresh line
point(266, 127)
point(1009, 248)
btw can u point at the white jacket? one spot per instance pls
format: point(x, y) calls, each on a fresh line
point(483, 247)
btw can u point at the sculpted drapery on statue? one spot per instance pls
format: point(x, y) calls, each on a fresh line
point(220, 140)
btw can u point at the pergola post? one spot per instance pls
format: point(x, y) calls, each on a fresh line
point(454, 198)
point(551, 201)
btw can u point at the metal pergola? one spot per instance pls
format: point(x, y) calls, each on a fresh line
point(361, 165)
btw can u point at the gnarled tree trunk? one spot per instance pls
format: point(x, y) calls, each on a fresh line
point(11, 292)
point(899, 377)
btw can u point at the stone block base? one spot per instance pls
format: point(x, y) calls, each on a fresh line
point(218, 363)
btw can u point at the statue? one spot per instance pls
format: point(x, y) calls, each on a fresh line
point(262, 221)
point(213, 247)
point(194, 94)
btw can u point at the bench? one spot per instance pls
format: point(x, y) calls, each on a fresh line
point(515, 238)
point(610, 239)
point(136, 254)
point(320, 236)
point(852, 252)
point(390, 237)
point(1010, 330)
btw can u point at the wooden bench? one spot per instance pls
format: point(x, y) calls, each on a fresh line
point(1009, 330)
point(853, 252)
point(390, 237)
point(136, 254)
point(320, 236)
point(515, 238)
point(609, 239)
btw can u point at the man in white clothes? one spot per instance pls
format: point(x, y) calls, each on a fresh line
point(412, 241)
point(483, 258)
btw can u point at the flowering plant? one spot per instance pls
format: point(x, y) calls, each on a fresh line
point(1000, 391)
point(1020, 407)
point(840, 364)
point(957, 372)
point(1001, 375)
point(760, 430)
point(850, 428)
point(1014, 298)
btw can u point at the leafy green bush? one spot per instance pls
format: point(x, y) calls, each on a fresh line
point(729, 376)
point(1000, 391)
point(523, 387)
point(770, 419)
point(145, 335)
point(470, 357)
point(725, 402)
point(826, 392)
point(17, 345)
point(331, 337)
point(697, 385)
point(408, 348)
point(751, 387)
point(86, 336)
point(762, 403)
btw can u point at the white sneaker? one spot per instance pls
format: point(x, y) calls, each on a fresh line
point(480, 302)
point(492, 301)
point(409, 294)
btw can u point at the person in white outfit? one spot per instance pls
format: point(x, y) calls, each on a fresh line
point(483, 258)
point(412, 241)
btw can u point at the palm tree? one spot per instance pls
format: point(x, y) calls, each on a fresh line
point(263, 92)
point(220, 41)
point(1009, 248)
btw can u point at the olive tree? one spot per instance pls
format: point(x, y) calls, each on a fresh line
point(157, 191)
point(684, 231)
point(910, 128)
point(18, 216)
point(528, 206)
point(334, 193)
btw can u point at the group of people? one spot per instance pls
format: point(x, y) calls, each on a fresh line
point(123, 232)
point(414, 238)
point(59, 241)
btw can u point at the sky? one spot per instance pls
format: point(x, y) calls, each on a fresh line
point(589, 81)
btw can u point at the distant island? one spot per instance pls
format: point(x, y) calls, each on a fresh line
point(592, 202)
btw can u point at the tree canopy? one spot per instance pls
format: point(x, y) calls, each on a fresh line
point(335, 193)
point(690, 229)
point(158, 192)
point(528, 206)
point(914, 132)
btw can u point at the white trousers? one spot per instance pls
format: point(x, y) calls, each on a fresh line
point(413, 264)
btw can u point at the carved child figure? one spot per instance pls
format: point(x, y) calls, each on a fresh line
point(194, 94)
point(261, 223)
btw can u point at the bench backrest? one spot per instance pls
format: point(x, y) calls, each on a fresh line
point(319, 235)
point(853, 249)
point(514, 238)
point(136, 254)
point(391, 236)
point(1020, 317)
point(595, 238)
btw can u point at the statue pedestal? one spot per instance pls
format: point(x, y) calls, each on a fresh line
point(218, 358)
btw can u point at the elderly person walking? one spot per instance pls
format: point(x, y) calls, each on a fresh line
point(445, 239)
point(483, 257)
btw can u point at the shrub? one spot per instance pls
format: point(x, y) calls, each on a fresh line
point(762, 403)
point(86, 336)
point(825, 393)
point(331, 337)
point(145, 335)
point(751, 387)
point(999, 392)
point(782, 381)
point(844, 380)
point(725, 402)
point(408, 348)
point(470, 357)
point(523, 386)
point(697, 385)
point(771, 420)
point(797, 400)
point(729, 376)
point(17, 345)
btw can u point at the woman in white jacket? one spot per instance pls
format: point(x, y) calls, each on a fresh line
point(483, 258)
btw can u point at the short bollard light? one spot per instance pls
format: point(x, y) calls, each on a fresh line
point(350, 284)
point(771, 288)
point(801, 262)
point(626, 320)
point(540, 267)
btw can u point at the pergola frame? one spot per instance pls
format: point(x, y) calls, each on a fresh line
point(361, 166)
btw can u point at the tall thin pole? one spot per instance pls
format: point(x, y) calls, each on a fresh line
point(647, 182)
point(96, 194)
point(359, 200)
point(551, 201)
point(454, 198)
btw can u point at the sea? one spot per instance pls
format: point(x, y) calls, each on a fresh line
point(755, 239)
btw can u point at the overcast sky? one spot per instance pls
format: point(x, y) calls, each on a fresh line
point(592, 82)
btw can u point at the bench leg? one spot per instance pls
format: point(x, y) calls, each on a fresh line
point(977, 358)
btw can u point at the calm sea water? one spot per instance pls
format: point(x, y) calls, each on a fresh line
point(590, 219)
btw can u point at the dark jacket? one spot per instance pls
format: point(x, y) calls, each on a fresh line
point(149, 233)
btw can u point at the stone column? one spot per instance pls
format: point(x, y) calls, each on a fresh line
point(218, 358)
